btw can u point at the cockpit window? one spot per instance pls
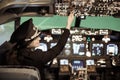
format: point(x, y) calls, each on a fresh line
point(6, 31)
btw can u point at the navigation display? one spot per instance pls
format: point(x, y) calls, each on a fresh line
point(97, 48)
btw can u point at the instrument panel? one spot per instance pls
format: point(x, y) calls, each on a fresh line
point(85, 48)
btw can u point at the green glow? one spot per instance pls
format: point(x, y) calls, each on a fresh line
point(56, 21)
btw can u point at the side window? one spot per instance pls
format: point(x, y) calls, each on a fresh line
point(6, 31)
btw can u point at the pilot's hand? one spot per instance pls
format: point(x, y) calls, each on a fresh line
point(70, 20)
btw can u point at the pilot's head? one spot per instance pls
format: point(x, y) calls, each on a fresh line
point(26, 34)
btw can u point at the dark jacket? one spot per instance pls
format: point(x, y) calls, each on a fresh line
point(38, 58)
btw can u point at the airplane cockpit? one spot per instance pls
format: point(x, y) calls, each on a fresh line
point(92, 51)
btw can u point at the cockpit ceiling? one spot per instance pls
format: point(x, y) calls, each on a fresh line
point(12, 9)
point(20, 7)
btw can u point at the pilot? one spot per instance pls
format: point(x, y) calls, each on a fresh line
point(26, 37)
